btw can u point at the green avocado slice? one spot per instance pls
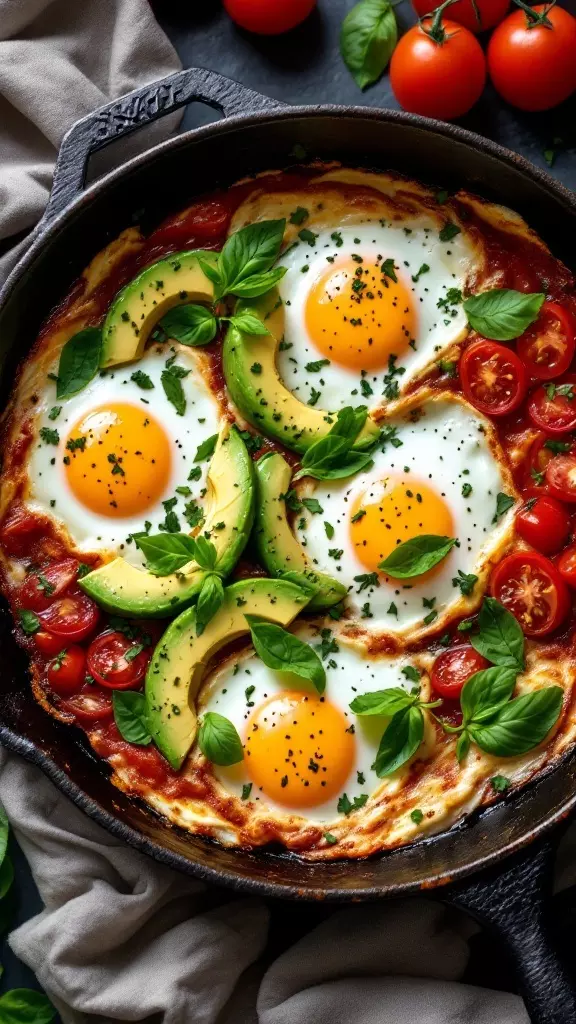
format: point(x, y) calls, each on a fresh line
point(136, 310)
point(180, 659)
point(262, 397)
point(277, 547)
point(122, 588)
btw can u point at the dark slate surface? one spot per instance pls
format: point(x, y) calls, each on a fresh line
point(304, 66)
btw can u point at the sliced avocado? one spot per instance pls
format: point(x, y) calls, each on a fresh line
point(180, 659)
point(278, 548)
point(143, 302)
point(262, 397)
point(122, 588)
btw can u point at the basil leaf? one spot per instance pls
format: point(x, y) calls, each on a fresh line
point(204, 552)
point(206, 449)
point(219, 741)
point(79, 362)
point(209, 601)
point(349, 422)
point(462, 746)
point(190, 324)
point(503, 314)
point(29, 621)
point(130, 715)
point(6, 877)
point(416, 556)
point(503, 503)
point(212, 273)
point(25, 1006)
point(521, 724)
point(284, 652)
point(174, 391)
point(322, 454)
point(485, 691)
point(251, 251)
point(400, 741)
point(166, 553)
point(367, 40)
point(382, 702)
point(500, 639)
point(258, 284)
point(248, 323)
point(347, 465)
point(142, 380)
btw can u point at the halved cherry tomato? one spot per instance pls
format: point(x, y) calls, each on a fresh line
point(529, 585)
point(534, 466)
point(567, 565)
point(108, 664)
point(493, 378)
point(48, 644)
point(41, 588)
point(544, 523)
point(453, 668)
point(67, 674)
point(547, 347)
point(552, 407)
point(90, 705)
point(561, 477)
point(74, 616)
point(200, 224)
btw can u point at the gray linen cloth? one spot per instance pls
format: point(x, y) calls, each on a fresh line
point(122, 938)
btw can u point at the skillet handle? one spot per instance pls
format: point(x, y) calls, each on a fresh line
point(512, 903)
point(133, 111)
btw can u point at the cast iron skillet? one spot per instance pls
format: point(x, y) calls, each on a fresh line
point(257, 134)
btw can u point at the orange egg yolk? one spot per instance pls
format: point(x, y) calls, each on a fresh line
point(117, 460)
point(394, 511)
point(358, 317)
point(298, 749)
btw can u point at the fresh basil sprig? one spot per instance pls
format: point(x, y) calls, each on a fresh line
point(130, 715)
point(166, 553)
point(284, 652)
point(210, 601)
point(79, 362)
point(367, 40)
point(405, 731)
point(496, 723)
point(244, 266)
point(332, 457)
point(416, 556)
point(190, 324)
point(219, 741)
point(503, 314)
point(172, 385)
point(247, 322)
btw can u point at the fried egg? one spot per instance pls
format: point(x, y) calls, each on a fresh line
point(440, 473)
point(118, 456)
point(367, 308)
point(302, 750)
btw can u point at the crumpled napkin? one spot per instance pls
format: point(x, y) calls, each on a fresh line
point(122, 938)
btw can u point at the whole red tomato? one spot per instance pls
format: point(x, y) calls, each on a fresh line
point(475, 15)
point(269, 17)
point(438, 69)
point(532, 57)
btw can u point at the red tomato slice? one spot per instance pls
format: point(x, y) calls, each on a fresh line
point(561, 477)
point(108, 664)
point(41, 588)
point(74, 616)
point(90, 705)
point(493, 378)
point(567, 565)
point(552, 407)
point(547, 347)
point(453, 668)
point(67, 674)
point(544, 522)
point(48, 644)
point(530, 586)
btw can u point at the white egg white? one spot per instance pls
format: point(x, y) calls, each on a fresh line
point(49, 491)
point(412, 246)
point(447, 448)
point(348, 674)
